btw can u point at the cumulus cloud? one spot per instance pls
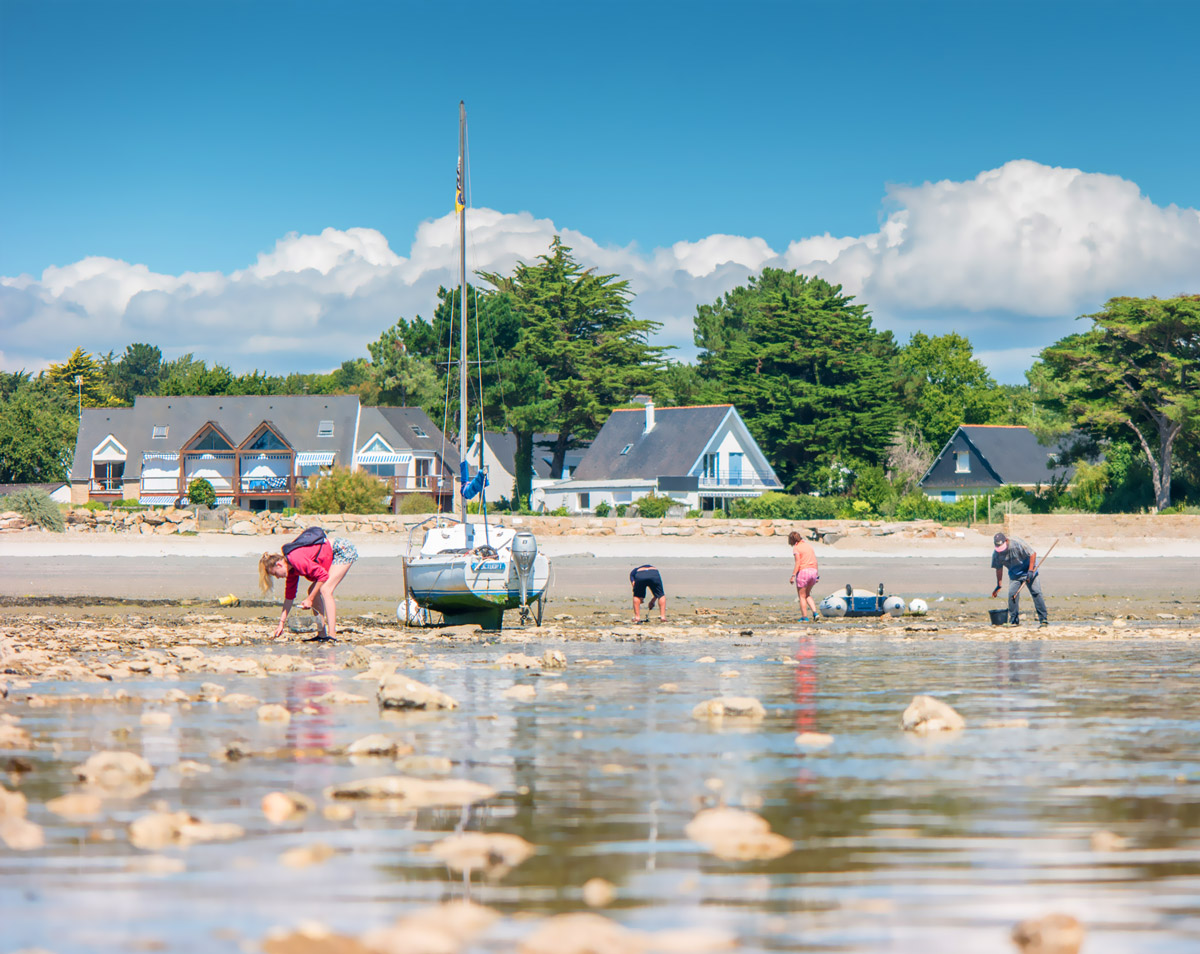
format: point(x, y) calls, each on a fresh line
point(1008, 258)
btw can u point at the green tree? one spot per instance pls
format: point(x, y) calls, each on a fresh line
point(578, 329)
point(942, 385)
point(1136, 370)
point(136, 372)
point(37, 435)
point(82, 377)
point(401, 377)
point(806, 370)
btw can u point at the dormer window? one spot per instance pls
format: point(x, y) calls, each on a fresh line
point(325, 429)
point(419, 431)
point(160, 432)
point(625, 450)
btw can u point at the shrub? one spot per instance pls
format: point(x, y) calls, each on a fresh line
point(95, 505)
point(777, 506)
point(201, 493)
point(35, 505)
point(417, 503)
point(622, 509)
point(603, 509)
point(345, 491)
point(653, 506)
point(693, 514)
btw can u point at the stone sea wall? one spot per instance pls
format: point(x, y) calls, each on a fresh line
point(1075, 528)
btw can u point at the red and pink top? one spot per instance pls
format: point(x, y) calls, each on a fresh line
point(311, 562)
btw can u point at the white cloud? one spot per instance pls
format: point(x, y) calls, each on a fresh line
point(1008, 258)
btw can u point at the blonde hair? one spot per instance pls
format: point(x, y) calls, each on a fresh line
point(266, 564)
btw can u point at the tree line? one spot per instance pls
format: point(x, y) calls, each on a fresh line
point(837, 405)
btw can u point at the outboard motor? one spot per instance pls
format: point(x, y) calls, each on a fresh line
point(524, 551)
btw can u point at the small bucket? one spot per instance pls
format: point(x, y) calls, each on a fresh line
point(999, 617)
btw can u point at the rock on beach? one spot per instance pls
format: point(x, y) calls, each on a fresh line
point(403, 792)
point(495, 854)
point(402, 692)
point(733, 834)
point(738, 708)
point(925, 715)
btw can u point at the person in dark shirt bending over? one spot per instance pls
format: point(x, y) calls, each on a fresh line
point(1022, 571)
point(642, 578)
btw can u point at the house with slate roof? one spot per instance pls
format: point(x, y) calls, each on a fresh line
point(402, 446)
point(499, 456)
point(979, 458)
point(257, 452)
point(698, 456)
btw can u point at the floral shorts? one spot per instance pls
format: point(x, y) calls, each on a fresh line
point(806, 578)
point(343, 550)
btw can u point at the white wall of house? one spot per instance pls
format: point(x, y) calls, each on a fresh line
point(160, 476)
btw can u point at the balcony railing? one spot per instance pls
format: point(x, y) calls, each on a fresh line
point(742, 482)
point(267, 486)
point(420, 483)
point(106, 486)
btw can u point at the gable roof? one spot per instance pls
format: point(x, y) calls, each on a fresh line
point(295, 416)
point(1011, 454)
point(678, 439)
point(400, 421)
point(503, 445)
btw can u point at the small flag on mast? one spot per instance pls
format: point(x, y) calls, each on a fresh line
point(459, 204)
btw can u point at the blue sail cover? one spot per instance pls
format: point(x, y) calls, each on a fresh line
point(471, 488)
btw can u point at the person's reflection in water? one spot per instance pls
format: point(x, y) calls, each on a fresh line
point(311, 735)
point(805, 698)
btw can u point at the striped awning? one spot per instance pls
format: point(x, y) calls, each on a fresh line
point(318, 458)
point(379, 457)
point(150, 456)
point(157, 500)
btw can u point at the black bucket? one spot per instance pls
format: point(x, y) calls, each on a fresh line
point(999, 617)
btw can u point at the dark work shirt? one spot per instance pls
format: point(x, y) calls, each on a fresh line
point(1016, 558)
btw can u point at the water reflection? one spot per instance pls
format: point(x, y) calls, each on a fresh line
point(901, 843)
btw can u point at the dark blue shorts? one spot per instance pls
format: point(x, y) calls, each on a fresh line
point(648, 579)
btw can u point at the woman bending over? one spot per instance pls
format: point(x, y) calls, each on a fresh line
point(324, 562)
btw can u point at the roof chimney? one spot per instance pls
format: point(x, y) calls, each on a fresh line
point(649, 417)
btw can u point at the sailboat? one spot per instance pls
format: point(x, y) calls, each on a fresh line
point(473, 572)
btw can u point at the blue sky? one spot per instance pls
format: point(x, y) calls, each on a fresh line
point(196, 137)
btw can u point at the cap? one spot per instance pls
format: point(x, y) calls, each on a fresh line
point(1001, 542)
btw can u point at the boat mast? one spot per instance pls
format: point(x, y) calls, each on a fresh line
point(461, 202)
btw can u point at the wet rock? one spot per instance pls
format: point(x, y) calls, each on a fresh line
point(240, 700)
point(1052, 934)
point(312, 939)
point(175, 695)
point(813, 740)
point(337, 813)
point(377, 745)
point(280, 807)
point(190, 767)
point(155, 720)
point(403, 792)
point(733, 834)
point(706, 660)
point(1006, 724)
point(730, 674)
point(925, 714)
point(557, 686)
point(518, 661)
point(338, 697)
point(120, 774)
point(12, 804)
point(442, 929)
point(691, 941)
point(460, 632)
point(598, 893)
point(554, 659)
point(520, 693)
point(273, 712)
point(733, 708)
point(160, 830)
point(582, 933)
point(211, 692)
point(75, 805)
point(20, 834)
point(495, 854)
point(669, 687)
point(1108, 841)
point(401, 692)
point(376, 672)
point(14, 737)
point(305, 856)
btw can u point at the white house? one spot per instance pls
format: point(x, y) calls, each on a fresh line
point(699, 456)
point(499, 456)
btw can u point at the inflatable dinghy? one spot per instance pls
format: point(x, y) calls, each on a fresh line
point(856, 602)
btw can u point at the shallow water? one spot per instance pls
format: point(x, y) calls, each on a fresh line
point(901, 843)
